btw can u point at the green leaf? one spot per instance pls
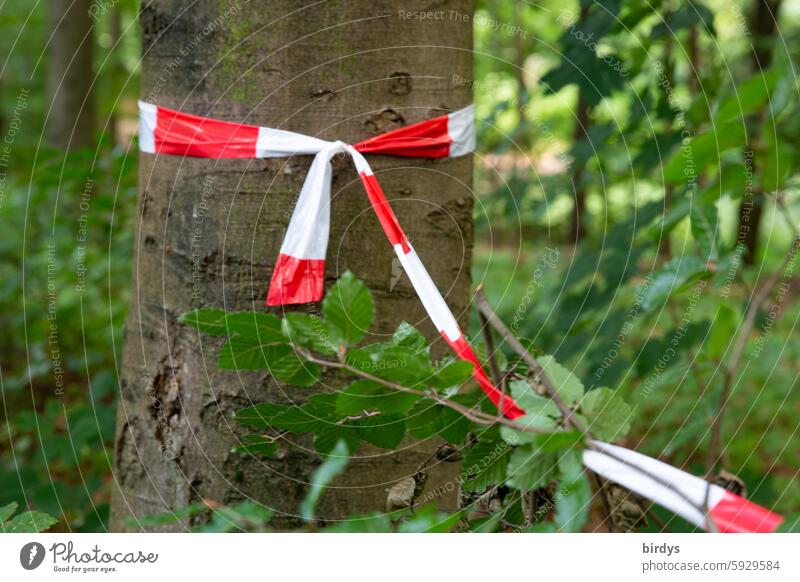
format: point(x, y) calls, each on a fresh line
point(453, 426)
point(723, 331)
point(748, 97)
point(374, 523)
point(29, 522)
point(703, 152)
point(453, 373)
point(686, 16)
point(408, 336)
point(291, 369)
point(383, 431)
point(401, 365)
point(427, 419)
point(574, 493)
point(485, 464)
point(256, 444)
point(423, 419)
point(529, 468)
point(428, 520)
point(159, 519)
point(246, 353)
point(675, 275)
point(368, 395)
point(349, 307)
point(705, 226)
point(531, 402)
point(608, 416)
point(263, 328)
point(208, 320)
point(244, 516)
point(558, 441)
point(566, 384)
point(8, 510)
point(322, 476)
point(259, 415)
point(540, 413)
point(327, 438)
point(310, 332)
point(316, 414)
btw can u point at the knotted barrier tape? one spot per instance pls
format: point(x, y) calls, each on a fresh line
point(298, 276)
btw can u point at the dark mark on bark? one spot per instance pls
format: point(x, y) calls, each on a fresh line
point(323, 94)
point(401, 83)
point(386, 120)
point(165, 405)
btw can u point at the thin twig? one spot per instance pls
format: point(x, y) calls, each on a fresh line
point(491, 316)
point(494, 369)
point(606, 503)
point(475, 416)
point(494, 320)
point(489, 339)
point(715, 445)
point(362, 416)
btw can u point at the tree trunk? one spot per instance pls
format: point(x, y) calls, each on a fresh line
point(577, 227)
point(764, 25)
point(70, 123)
point(116, 73)
point(210, 231)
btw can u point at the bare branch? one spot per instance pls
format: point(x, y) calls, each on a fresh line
point(761, 296)
point(494, 320)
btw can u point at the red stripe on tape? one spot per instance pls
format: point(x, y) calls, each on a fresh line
point(296, 281)
point(427, 139)
point(183, 134)
point(464, 351)
point(384, 212)
point(734, 514)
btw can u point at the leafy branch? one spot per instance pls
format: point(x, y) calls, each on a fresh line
point(396, 389)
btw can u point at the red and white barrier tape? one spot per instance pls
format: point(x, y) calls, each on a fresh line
point(299, 273)
point(686, 495)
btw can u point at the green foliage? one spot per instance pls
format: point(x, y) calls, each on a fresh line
point(349, 308)
point(27, 522)
point(397, 390)
point(423, 520)
point(485, 464)
point(607, 415)
point(323, 475)
point(246, 516)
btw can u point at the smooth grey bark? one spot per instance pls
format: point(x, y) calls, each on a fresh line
point(71, 121)
point(210, 231)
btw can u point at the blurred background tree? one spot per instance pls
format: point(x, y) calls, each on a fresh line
point(636, 201)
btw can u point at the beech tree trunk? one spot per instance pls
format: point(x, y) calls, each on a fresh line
point(210, 231)
point(70, 54)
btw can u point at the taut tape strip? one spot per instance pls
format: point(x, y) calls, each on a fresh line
point(689, 496)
